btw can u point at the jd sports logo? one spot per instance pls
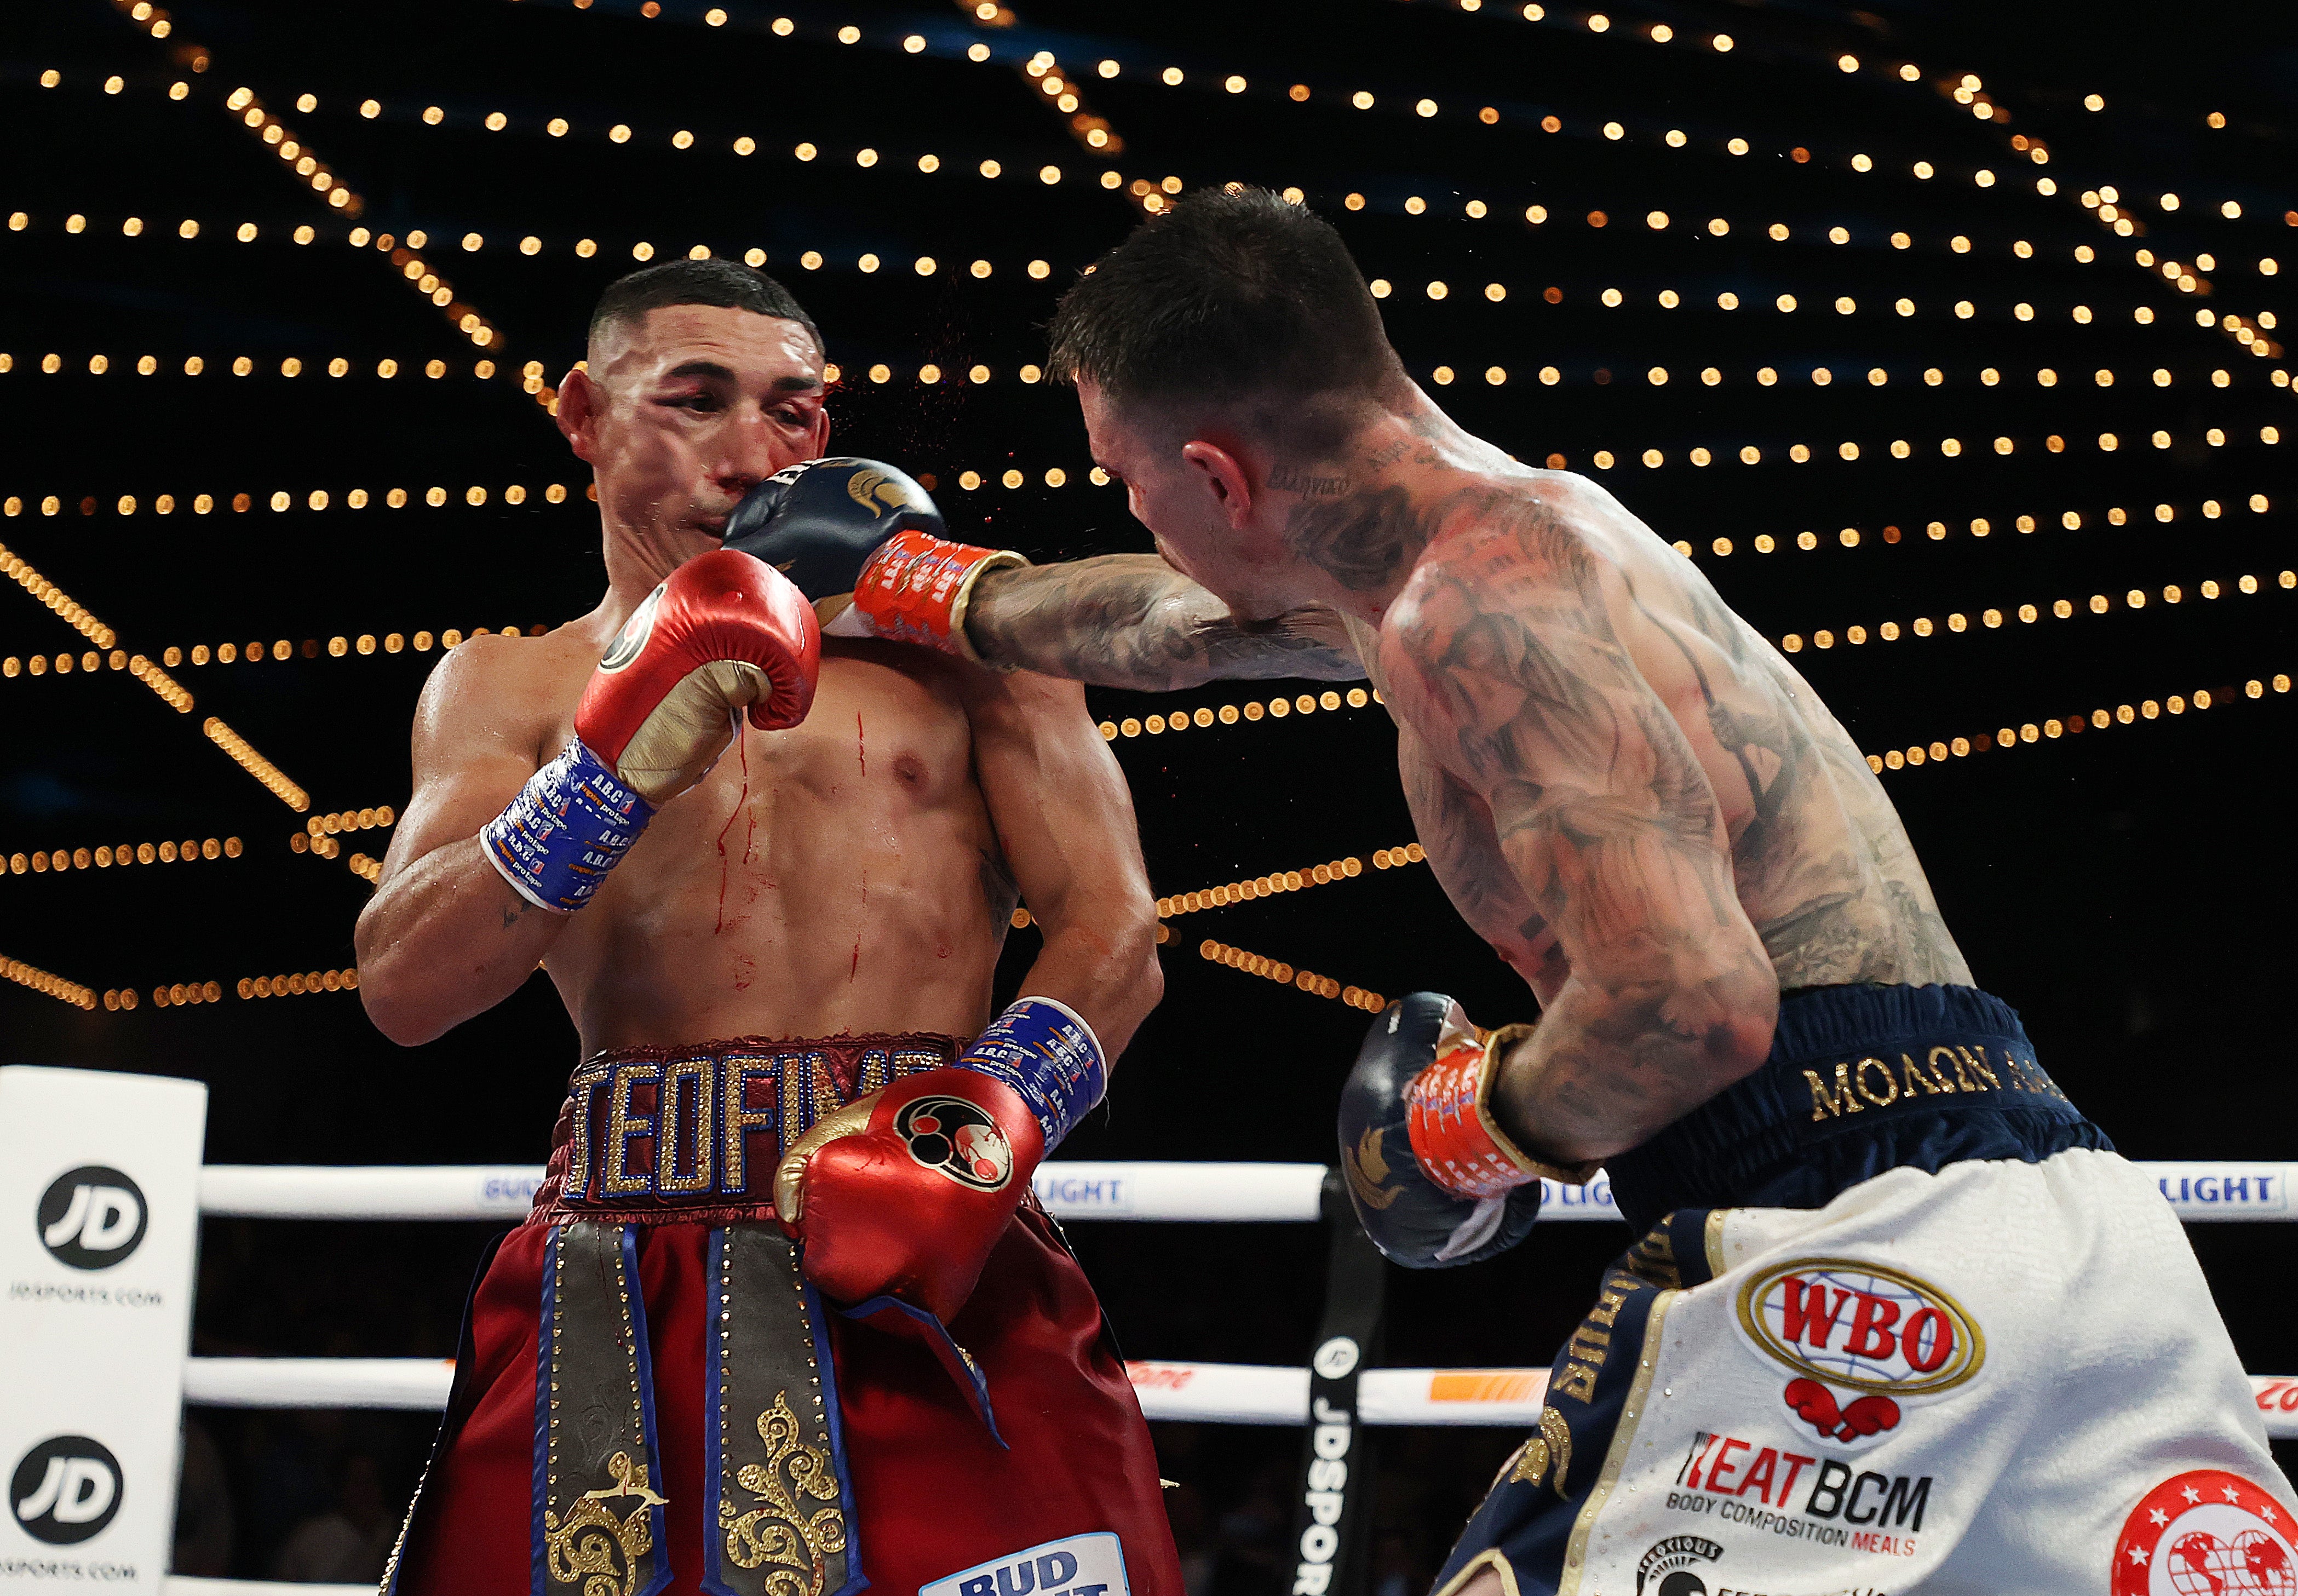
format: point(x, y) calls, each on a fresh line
point(66, 1489)
point(92, 1218)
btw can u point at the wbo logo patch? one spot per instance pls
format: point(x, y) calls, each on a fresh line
point(1088, 1565)
point(953, 1137)
point(2206, 1531)
point(1861, 1325)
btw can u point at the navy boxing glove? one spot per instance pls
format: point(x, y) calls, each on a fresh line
point(819, 522)
point(1434, 1180)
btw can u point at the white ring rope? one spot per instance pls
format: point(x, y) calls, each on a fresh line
point(1180, 1393)
point(1072, 1189)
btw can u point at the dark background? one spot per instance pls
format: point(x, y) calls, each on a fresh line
point(2126, 888)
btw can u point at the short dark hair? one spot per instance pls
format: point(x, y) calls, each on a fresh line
point(711, 282)
point(1228, 295)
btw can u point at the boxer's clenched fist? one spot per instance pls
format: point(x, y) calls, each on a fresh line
point(846, 525)
point(725, 636)
point(1434, 1180)
point(904, 1193)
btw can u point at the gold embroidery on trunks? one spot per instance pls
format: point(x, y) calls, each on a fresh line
point(1591, 1344)
point(1367, 1172)
point(875, 1071)
point(781, 1534)
point(737, 1118)
point(809, 1091)
point(594, 1549)
point(1653, 1258)
point(1552, 1445)
point(622, 1124)
point(668, 1137)
point(1829, 1105)
point(916, 1061)
point(580, 1090)
point(1980, 1066)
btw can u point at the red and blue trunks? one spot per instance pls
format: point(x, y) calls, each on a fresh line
point(650, 1398)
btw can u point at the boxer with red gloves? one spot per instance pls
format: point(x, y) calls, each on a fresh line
point(954, 1148)
point(723, 636)
point(785, 1316)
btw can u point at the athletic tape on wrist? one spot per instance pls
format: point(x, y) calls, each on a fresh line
point(916, 588)
point(554, 842)
point(1045, 1051)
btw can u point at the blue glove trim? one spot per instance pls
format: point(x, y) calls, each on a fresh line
point(554, 842)
point(1045, 1051)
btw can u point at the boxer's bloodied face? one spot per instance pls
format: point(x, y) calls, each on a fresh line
point(686, 408)
point(1195, 497)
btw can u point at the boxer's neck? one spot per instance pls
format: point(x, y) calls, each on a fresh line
point(1356, 521)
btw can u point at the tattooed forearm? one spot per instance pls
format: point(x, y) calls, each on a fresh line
point(1131, 621)
point(1605, 1069)
point(1607, 821)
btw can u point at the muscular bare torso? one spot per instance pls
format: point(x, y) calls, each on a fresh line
point(841, 876)
point(1822, 865)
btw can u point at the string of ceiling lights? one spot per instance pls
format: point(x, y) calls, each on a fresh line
point(2051, 729)
point(2253, 331)
point(280, 500)
point(1061, 88)
point(190, 850)
point(189, 994)
point(245, 104)
point(1850, 450)
point(927, 373)
point(1991, 618)
point(153, 676)
point(1284, 975)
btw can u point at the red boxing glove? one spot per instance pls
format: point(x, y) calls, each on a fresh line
point(915, 590)
point(905, 1192)
point(725, 633)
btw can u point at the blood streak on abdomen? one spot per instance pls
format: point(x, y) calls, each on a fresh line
point(741, 804)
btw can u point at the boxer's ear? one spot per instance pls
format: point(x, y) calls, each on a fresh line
point(580, 402)
point(1223, 477)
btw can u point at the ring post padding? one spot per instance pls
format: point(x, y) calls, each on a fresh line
point(1337, 1461)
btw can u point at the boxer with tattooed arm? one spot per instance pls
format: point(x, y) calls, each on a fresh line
point(1892, 1294)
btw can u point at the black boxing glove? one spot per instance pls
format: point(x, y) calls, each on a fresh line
point(1434, 1180)
point(818, 521)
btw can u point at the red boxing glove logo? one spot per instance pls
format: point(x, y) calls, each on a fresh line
point(1815, 1404)
point(953, 1137)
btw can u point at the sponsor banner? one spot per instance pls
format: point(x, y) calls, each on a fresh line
point(1090, 1565)
point(99, 1182)
point(1267, 1393)
point(2224, 1191)
point(1592, 1201)
point(2277, 1404)
point(1267, 1193)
